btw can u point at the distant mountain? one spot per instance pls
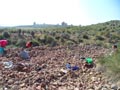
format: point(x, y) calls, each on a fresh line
point(42, 25)
point(63, 24)
point(1, 26)
point(38, 26)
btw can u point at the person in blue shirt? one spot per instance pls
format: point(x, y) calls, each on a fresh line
point(2, 51)
point(24, 54)
point(68, 66)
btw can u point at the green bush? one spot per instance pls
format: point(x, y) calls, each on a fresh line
point(35, 42)
point(101, 38)
point(112, 64)
point(33, 34)
point(99, 43)
point(57, 37)
point(85, 37)
point(65, 35)
point(19, 32)
point(21, 43)
point(1, 37)
point(6, 34)
point(62, 41)
point(53, 43)
point(69, 43)
point(12, 31)
point(13, 42)
point(49, 39)
point(80, 40)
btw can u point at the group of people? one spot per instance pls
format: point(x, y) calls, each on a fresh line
point(23, 54)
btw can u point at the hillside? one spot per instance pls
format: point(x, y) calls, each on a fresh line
point(46, 69)
point(52, 49)
point(104, 34)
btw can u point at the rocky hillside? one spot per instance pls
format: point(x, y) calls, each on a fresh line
point(46, 69)
point(102, 34)
point(52, 49)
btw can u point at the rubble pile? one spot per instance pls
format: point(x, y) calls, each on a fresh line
point(46, 69)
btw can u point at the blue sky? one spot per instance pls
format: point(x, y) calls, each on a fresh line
point(101, 10)
point(76, 12)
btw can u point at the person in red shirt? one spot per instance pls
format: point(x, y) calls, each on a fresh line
point(3, 43)
point(28, 44)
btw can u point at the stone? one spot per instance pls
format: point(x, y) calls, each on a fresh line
point(15, 87)
point(93, 79)
point(99, 79)
point(4, 88)
point(104, 88)
point(100, 68)
point(114, 87)
point(62, 88)
point(90, 89)
point(91, 73)
point(64, 71)
point(10, 81)
point(97, 87)
point(76, 88)
point(1, 78)
point(22, 85)
point(107, 86)
point(16, 82)
point(118, 88)
point(38, 87)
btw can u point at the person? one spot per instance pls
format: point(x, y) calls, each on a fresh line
point(75, 68)
point(3, 44)
point(68, 66)
point(2, 51)
point(29, 44)
point(24, 54)
point(89, 63)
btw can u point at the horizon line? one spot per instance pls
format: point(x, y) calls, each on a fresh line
point(52, 24)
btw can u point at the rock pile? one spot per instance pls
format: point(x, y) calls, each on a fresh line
point(46, 70)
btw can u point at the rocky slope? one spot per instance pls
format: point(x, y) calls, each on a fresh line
point(46, 69)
